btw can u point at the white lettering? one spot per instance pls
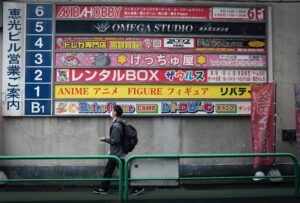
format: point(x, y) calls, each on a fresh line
point(89, 12)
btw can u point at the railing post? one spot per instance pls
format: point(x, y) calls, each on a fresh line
point(126, 183)
point(120, 171)
point(296, 169)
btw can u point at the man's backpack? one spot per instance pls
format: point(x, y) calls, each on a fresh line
point(130, 138)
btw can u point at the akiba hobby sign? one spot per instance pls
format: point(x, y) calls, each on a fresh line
point(159, 12)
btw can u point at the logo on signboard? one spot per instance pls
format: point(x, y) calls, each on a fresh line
point(147, 108)
point(226, 108)
point(179, 42)
point(187, 107)
point(256, 44)
point(102, 27)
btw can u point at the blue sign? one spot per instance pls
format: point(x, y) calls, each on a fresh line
point(40, 58)
point(39, 10)
point(38, 69)
point(38, 107)
point(37, 91)
point(39, 27)
point(38, 75)
point(39, 42)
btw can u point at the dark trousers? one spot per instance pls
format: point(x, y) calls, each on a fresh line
point(110, 167)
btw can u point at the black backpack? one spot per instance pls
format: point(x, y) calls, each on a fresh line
point(130, 138)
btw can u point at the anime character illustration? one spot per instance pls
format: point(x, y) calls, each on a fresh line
point(59, 42)
point(101, 60)
point(61, 107)
point(71, 60)
point(147, 43)
point(63, 75)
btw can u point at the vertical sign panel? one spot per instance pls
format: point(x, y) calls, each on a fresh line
point(13, 67)
point(38, 59)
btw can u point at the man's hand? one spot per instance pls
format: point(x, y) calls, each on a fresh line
point(103, 139)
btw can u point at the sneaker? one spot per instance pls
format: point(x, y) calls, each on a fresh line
point(137, 191)
point(259, 175)
point(275, 174)
point(100, 191)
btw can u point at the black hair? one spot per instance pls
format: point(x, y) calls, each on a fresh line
point(118, 109)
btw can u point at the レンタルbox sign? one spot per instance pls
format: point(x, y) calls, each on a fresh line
point(158, 75)
point(169, 60)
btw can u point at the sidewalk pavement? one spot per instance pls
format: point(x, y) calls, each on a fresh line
point(154, 195)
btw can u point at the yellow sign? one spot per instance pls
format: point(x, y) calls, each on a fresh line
point(152, 91)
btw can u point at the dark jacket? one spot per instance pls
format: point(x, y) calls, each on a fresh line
point(115, 138)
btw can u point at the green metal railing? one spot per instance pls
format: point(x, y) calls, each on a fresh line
point(179, 156)
point(123, 194)
point(115, 158)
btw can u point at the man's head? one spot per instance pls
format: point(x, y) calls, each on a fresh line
point(117, 111)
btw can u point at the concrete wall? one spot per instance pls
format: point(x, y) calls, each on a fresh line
point(286, 50)
point(1, 120)
point(78, 136)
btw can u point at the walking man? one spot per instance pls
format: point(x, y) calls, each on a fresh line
point(115, 141)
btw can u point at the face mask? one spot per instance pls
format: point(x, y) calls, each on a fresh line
point(111, 114)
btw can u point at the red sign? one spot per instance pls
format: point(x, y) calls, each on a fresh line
point(262, 122)
point(124, 43)
point(125, 12)
point(159, 12)
point(114, 75)
point(298, 121)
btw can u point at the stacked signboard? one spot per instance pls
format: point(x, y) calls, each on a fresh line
point(152, 60)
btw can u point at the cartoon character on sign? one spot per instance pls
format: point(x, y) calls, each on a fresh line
point(71, 60)
point(101, 60)
point(61, 107)
point(63, 75)
point(59, 42)
point(147, 43)
point(72, 108)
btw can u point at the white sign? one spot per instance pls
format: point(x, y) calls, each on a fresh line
point(236, 76)
point(239, 13)
point(13, 61)
point(179, 42)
